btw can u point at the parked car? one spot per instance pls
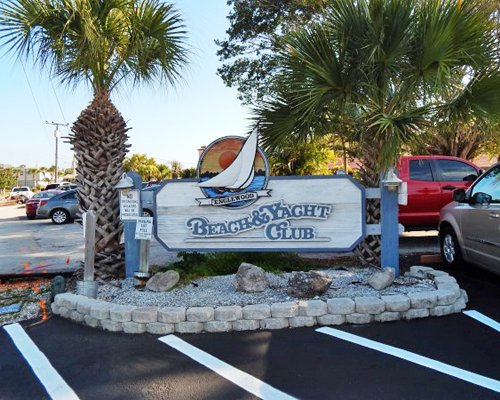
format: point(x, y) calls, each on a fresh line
point(469, 227)
point(61, 208)
point(32, 204)
point(20, 193)
point(148, 200)
point(67, 186)
point(51, 186)
point(431, 181)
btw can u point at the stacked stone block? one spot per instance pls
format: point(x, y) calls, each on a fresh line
point(446, 299)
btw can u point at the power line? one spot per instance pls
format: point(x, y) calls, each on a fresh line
point(34, 99)
point(59, 105)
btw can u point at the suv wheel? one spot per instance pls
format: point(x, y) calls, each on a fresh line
point(450, 249)
point(59, 216)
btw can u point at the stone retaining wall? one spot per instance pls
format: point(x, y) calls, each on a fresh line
point(448, 298)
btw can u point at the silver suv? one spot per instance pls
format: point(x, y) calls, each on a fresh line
point(469, 227)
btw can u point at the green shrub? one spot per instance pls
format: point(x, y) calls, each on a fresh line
point(194, 265)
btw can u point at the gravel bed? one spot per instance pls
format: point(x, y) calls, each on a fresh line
point(220, 291)
point(28, 294)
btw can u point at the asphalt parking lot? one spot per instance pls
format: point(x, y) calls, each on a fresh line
point(29, 247)
point(453, 357)
point(37, 246)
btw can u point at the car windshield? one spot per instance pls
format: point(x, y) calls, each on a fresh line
point(46, 195)
point(19, 189)
point(489, 184)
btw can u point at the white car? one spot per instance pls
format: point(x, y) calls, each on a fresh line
point(67, 186)
point(21, 193)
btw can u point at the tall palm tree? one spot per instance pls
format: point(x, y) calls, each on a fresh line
point(379, 70)
point(104, 43)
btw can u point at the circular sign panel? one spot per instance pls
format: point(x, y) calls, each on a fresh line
point(233, 171)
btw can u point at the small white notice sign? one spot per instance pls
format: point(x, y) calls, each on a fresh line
point(130, 205)
point(144, 228)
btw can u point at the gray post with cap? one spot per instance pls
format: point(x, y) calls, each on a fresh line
point(389, 187)
point(132, 181)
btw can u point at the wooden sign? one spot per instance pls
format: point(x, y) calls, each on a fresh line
point(314, 213)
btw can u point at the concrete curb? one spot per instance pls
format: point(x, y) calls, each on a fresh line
point(446, 299)
point(8, 203)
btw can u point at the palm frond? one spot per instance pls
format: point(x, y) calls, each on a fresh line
point(101, 42)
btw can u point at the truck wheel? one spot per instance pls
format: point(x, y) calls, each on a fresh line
point(450, 249)
point(59, 216)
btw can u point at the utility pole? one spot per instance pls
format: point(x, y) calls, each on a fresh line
point(56, 136)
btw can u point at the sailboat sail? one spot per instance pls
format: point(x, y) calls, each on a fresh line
point(240, 173)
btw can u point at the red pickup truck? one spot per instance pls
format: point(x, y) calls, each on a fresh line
point(431, 181)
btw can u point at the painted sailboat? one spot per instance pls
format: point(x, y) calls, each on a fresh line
point(240, 173)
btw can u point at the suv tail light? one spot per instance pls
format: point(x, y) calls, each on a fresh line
point(42, 203)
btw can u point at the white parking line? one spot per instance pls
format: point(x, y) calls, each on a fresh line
point(459, 373)
point(483, 319)
point(238, 377)
point(55, 385)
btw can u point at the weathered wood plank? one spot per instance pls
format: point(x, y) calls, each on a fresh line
point(334, 221)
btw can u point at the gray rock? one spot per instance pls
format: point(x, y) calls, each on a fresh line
point(163, 281)
point(418, 271)
point(383, 279)
point(250, 278)
point(308, 284)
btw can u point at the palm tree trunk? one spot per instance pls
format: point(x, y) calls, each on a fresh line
point(369, 251)
point(99, 138)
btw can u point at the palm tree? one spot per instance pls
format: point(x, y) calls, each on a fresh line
point(378, 70)
point(176, 168)
point(104, 44)
point(145, 166)
point(309, 158)
point(164, 172)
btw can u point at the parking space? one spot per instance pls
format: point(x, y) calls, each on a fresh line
point(299, 363)
point(310, 365)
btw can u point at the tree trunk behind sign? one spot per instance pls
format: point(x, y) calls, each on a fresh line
point(99, 141)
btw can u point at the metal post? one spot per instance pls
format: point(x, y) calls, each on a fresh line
point(56, 172)
point(142, 274)
point(90, 222)
point(389, 228)
point(88, 287)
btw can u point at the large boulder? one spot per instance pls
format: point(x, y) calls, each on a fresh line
point(308, 284)
point(250, 278)
point(383, 279)
point(163, 281)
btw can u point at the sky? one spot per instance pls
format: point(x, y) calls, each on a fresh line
point(167, 124)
